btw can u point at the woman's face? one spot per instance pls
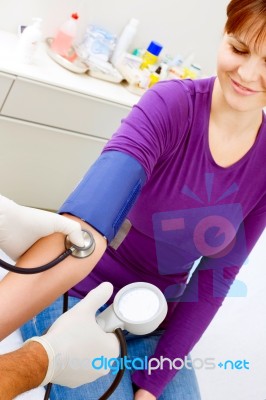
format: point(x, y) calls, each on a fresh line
point(241, 70)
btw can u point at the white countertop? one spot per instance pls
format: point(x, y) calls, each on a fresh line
point(46, 70)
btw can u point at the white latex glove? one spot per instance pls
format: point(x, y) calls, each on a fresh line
point(21, 227)
point(75, 339)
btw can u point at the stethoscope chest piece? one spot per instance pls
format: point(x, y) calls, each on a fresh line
point(86, 250)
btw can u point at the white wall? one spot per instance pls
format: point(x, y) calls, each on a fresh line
point(238, 332)
point(181, 26)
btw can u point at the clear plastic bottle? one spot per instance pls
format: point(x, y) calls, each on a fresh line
point(63, 41)
point(124, 41)
point(29, 40)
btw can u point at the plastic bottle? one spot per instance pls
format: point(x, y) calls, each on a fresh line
point(164, 71)
point(29, 40)
point(63, 41)
point(155, 76)
point(124, 41)
point(150, 56)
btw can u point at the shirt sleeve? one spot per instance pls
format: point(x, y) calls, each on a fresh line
point(200, 302)
point(152, 129)
point(156, 125)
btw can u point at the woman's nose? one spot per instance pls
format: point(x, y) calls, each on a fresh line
point(249, 70)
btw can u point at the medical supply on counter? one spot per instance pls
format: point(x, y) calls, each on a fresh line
point(124, 41)
point(155, 76)
point(96, 43)
point(29, 41)
point(175, 72)
point(129, 67)
point(191, 72)
point(164, 71)
point(150, 57)
point(103, 70)
point(175, 69)
point(63, 40)
point(76, 66)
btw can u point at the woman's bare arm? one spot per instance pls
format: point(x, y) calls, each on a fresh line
point(23, 296)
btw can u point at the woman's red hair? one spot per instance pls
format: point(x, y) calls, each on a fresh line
point(247, 17)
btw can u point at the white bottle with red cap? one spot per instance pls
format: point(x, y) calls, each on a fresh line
point(63, 41)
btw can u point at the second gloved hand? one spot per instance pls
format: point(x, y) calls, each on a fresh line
point(75, 339)
point(21, 227)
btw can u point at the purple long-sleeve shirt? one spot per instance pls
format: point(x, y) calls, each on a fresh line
point(189, 209)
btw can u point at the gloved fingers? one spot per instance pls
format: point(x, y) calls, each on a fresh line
point(85, 310)
point(69, 227)
point(97, 297)
point(21, 227)
point(76, 238)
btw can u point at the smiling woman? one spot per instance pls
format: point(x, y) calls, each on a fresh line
point(242, 58)
point(240, 91)
point(245, 49)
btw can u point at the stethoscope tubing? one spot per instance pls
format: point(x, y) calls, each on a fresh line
point(35, 270)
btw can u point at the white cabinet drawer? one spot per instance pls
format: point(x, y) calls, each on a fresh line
point(49, 105)
point(5, 85)
point(40, 166)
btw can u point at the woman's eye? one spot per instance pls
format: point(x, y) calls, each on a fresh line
point(238, 51)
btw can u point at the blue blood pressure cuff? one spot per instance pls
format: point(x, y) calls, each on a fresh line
point(107, 192)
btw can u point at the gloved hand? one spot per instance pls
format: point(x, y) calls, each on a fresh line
point(21, 227)
point(75, 339)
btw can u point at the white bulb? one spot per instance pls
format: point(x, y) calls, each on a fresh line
point(138, 305)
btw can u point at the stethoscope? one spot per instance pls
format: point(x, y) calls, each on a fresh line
point(138, 308)
point(71, 249)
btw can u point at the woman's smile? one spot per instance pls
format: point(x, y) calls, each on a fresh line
point(243, 90)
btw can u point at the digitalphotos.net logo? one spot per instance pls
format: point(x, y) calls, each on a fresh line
point(154, 364)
